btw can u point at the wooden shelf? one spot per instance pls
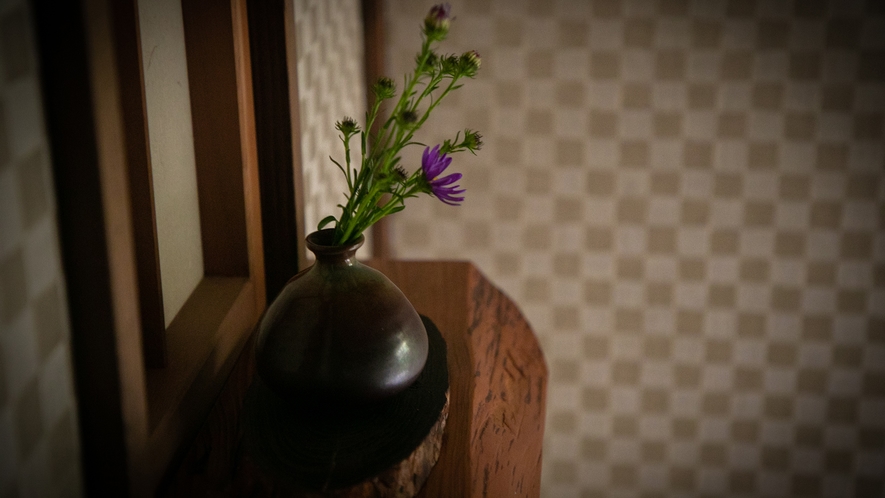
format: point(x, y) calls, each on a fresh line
point(498, 384)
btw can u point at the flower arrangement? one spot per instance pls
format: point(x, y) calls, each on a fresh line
point(381, 184)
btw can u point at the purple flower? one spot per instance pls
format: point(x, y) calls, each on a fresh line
point(432, 164)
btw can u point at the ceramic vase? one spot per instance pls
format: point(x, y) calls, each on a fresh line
point(339, 332)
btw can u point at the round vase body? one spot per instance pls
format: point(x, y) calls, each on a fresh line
point(340, 332)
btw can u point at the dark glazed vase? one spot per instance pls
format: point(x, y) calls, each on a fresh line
point(339, 332)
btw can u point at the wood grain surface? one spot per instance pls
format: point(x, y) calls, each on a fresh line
point(497, 378)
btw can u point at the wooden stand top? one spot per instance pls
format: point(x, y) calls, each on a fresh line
point(498, 384)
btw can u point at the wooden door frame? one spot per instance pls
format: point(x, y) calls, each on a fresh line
point(278, 131)
point(133, 419)
point(95, 124)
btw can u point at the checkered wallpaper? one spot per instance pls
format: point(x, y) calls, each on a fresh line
point(331, 85)
point(39, 448)
point(687, 199)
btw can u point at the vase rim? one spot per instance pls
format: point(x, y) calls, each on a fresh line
point(319, 243)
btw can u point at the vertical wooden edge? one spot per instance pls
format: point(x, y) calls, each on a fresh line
point(295, 110)
point(373, 42)
point(116, 206)
point(63, 37)
point(121, 251)
point(500, 335)
point(214, 97)
point(132, 98)
point(115, 194)
point(470, 344)
point(273, 132)
point(249, 149)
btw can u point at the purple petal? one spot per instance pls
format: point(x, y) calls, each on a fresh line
point(446, 180)
point(448, 188)
point(450, 194)
point(440, 165)
point(452, 190)
point(430, 164)
point(451, 201)
point(433, 163)
point(433, 154)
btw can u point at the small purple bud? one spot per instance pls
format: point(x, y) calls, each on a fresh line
point(436, 24)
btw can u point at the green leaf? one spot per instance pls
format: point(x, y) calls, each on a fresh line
point(325, 221)
point(339, 166)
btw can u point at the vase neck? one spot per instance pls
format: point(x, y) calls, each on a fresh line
point(320, 244)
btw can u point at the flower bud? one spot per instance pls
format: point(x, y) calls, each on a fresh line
point(384, 88)
point(430, 62)
point(469, 63)
point(436, 24)
point(347, 126)
point(451, 65)
point(472, 140)
point(399, 173)
point(408, 117)
point(432, 59)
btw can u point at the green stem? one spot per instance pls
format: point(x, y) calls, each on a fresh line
point(386, 132)
point(373, 180)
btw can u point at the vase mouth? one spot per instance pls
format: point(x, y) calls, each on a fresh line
point(320, 243)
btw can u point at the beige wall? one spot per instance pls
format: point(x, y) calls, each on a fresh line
point(39, 446)
point(331, 85)
point(687, 199)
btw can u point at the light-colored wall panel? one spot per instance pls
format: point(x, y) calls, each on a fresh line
point(331, 85)
point(173, 166)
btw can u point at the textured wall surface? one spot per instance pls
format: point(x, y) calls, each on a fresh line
point(687, 199)
point(331, 85)
point(39, 448)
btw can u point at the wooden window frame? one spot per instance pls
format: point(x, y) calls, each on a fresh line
point(373, 44)
point(142, 389)
point(272, 42)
